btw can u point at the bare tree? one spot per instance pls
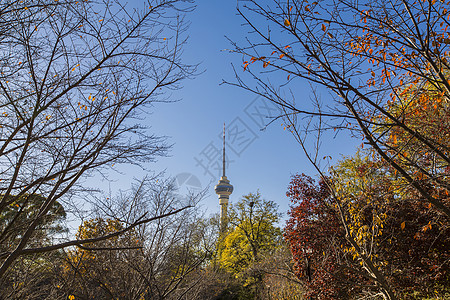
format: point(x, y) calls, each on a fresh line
point(75, 80)
point(176, 248)
point(163, 259)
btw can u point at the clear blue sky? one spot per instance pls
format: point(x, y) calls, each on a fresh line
point(263, 160)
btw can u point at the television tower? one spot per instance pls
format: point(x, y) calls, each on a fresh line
point(223, 189)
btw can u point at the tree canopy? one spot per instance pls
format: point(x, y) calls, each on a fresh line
point(405, 240)
point(74, 79)
point(384, 68)
point(252, 235)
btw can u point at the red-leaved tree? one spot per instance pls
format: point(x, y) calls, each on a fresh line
point(314, 234)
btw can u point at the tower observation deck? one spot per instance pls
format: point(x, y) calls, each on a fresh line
point(223, 189)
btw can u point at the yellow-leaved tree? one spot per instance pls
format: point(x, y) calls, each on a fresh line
point(252, 236)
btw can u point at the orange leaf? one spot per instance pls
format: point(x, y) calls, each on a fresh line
point(324, 27)
point(402, 226)
point(281, 55)
point(286, 22)
point(395, 139)
point(426, 227)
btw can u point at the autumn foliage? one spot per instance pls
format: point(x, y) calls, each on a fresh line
point(379, 72)
point(313, 233)
point(404, 238)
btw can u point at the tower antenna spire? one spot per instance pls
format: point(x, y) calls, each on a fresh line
point(223, 154)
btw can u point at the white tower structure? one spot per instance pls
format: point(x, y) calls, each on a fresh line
point(223, 189)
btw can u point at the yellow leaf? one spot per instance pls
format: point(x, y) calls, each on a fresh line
point(286, 22)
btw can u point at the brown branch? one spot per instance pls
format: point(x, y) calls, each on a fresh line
point(91, 240)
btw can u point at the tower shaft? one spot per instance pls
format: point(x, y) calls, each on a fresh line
point(223, 215)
